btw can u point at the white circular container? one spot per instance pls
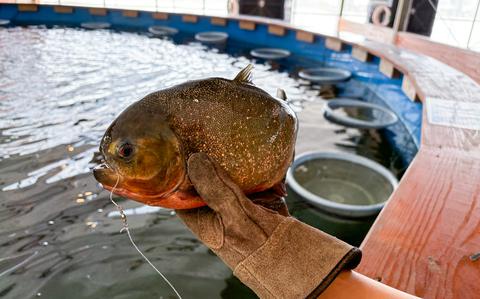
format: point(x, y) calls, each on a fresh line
point(211, 37)
point(162, 30)
point(325, 75)
point(270, 53)
point(95, 25)
point(369, 115)
point(341, 184)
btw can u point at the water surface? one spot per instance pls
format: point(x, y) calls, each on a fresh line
point(59, 235)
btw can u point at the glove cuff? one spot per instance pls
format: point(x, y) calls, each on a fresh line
point(297, 261)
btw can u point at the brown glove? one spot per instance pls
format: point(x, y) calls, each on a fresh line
point(275, 255)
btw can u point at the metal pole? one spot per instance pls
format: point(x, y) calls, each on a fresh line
point(401, 17)
point(293, 9)
point(473, 25)
point(398, 16)
point(342, 3)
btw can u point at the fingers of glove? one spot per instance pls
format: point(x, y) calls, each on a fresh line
point(205, 224)
point(214, 185)
point(191, 218)
point(263, 217)
point(270, 201)
point(238, 213)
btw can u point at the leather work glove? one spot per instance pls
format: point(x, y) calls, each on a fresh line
point(275, 255)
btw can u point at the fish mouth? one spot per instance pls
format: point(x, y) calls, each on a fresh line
point(105, 176)
point(108, 177)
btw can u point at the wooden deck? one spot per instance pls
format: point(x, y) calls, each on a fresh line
point(427, 239)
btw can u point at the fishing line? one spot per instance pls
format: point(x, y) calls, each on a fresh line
point(125, 228)
point(17, 265)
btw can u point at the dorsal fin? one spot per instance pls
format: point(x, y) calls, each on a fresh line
point(281, 94)
point(245, 75)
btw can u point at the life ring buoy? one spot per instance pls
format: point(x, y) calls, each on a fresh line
point(381, 15)
point(233, 7)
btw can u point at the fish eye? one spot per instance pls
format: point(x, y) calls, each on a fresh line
point(125, 150)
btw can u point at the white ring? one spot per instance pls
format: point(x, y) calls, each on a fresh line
point(377, 15)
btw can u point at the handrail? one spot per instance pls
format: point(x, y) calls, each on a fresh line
point(464, 60)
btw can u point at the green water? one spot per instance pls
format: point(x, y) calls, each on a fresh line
point(343, 182)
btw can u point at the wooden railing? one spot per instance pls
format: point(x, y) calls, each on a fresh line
point(466, 61)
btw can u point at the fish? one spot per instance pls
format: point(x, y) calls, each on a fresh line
point(244, 129)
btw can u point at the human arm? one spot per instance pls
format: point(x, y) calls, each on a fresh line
point(350, 284)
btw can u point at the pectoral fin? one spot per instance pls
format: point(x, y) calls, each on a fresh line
point(281, 94)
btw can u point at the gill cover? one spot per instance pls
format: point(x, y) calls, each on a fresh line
point(144, 152)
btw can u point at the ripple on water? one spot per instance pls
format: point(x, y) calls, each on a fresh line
point(64, 86)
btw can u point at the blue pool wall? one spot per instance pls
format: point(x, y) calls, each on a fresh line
point(367, 82)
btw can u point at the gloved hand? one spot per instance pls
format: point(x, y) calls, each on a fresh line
point(275, 255)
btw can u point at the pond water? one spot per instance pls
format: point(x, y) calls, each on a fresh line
point(59, 234)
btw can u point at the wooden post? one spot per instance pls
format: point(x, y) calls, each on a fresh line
point(401, 18)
